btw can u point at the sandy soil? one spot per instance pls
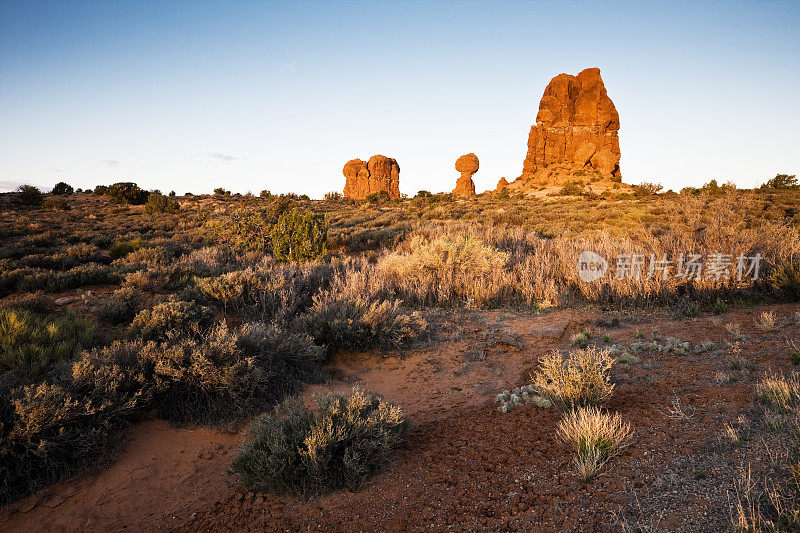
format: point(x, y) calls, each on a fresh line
point(467, 467)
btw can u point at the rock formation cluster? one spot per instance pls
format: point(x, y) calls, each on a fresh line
point(362, 178)
point(576, 129)
point(467, 165)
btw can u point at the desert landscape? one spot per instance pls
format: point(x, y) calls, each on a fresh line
point(571, 349)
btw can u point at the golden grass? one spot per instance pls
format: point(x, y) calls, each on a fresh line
point(595, 437)
point(579, 379)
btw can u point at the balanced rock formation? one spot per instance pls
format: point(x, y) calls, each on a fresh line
point(575, 134)
point(467, 165)
point(380, 173)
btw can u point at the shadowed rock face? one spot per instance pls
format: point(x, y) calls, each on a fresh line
point(467, 165)
point(577, 125)
point(380, 173)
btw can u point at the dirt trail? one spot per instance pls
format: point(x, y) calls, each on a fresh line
point(466, 467)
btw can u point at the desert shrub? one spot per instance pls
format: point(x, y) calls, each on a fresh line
point(158, 203)
point(785, 280)
point(62, 189)
point(332, 196)
point(234, 287)
point(51, 431)
point(121, 306)
point(445, 269)
point(83, 251)
point(100, 190)
point(342, 324)
point(145, 257)
point(300, 236)
point(52, 436)
point(219, 191)
point(31, 343)
point(173, 316)
point(305, 451)
point(569, 189)
point(123, 248)
point(127, 193)
point(56, 204)
point(29, 195)
point(579, 379)
point(244, 229)
point(155, 279)
point(782, 181)
point(226, 374)
point(645, 189)
point(378, 198)
point(79, 276)
point(595, 437)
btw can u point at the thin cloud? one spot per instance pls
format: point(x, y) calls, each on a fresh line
point(110, 163)
point(219, 156)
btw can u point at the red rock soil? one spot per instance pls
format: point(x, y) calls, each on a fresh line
point(466, 467)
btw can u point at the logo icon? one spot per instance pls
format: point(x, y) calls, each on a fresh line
point(591, 266)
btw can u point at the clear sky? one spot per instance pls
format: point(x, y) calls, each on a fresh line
point(279, 95)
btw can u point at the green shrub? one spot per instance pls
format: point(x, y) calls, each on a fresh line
point(378, 198)
point(174, 316)
point(158, 203)
point(219, 191)
point(127, 192)
point(62, 188)
point(31, 343)
point(100, 190)
point(29, 195)
point(300, 236)
point(243, 229)
point(56, 204)
point(305, 451)
point(782, 181)
point(123, 248)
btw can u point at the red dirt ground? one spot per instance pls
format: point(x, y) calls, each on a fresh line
point(466, 467)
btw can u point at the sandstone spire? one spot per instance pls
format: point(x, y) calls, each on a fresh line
point(576, 127)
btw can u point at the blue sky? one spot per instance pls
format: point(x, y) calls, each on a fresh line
point(271, 95)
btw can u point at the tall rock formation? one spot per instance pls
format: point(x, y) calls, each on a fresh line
point(576, 130)
point(467, 165)
point(380, 173)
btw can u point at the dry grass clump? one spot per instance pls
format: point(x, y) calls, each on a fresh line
point(446, 269)
point(773, 504)
point(339, 445)
point(766, 321)
point(578, 379)
point(595, 436)
point(778, 392)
